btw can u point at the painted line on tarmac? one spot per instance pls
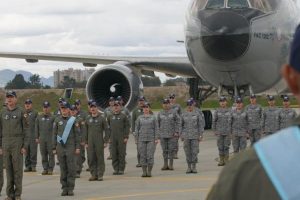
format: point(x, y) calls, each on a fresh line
point(150, 194)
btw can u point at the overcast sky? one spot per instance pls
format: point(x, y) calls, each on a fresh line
point(91, 27)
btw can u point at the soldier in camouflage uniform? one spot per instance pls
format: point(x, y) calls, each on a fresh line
point(138, 111)
point(43, 134)
point(108, 111)
point(168, 127)
point(14, 139)
point(270, 117)
point(254, 112)
point(287, 114)
point(97, 135)
point(66, 150)
point(222, 127)
point(177, 108)
point(239, 127)
point(31, 155)
point(192, 128)
point(119, 125)
point(146, 130)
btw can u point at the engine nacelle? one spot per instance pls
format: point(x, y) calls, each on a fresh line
point(114, 80)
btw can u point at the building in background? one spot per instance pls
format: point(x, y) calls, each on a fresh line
point(77, 74)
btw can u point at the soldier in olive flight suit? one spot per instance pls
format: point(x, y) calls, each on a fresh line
point(192, 128)
point(66, 143)
point(108, 111)
point(222, 127)
point(31, 155)
point(119, 125)
point(97, 135)
point(286, 114)
point(43, 134)
point(14, 139)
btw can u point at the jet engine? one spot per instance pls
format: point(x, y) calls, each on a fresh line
point(114, 80)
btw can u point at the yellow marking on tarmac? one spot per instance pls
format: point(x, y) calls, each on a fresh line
point(150, 194)
point(173, 178)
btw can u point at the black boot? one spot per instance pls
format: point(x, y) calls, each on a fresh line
point(144, 171)
point(171, 164)
point(149, 171)
point(194, 170)
point(189, 170)
point(165, 167)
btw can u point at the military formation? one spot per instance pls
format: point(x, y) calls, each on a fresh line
point(75, 136)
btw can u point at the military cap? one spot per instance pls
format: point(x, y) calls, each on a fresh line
point(65, 104)
point(111, 99)
point(189, 102)
point(165, 101)
point(172, 96)
point(11, 94)
point(46, 104)
point(142, 98)
point(285, 98)
point(222, 99)
point(90, 101)
point(28, 101)
point(147, 105)
point(77, 102)
point(271, 98)
point(93, 104)
point(61, 100)
point(295, 50)
point(119, 98)
point(252, 96)
point(73, 107)
point(238, 100)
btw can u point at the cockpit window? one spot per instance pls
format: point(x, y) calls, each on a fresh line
point(213, 4)
point(265, 5)
point(238, 4)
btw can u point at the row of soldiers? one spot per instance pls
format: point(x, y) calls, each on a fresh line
point(250, 122)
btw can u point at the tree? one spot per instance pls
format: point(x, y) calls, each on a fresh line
point(35, 82)
point(17, 83)
point(151, 81)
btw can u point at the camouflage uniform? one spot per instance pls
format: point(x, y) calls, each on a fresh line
point(239, 130)
point(178, 110)
point(168, 126)
point(66, 152)
point(286, 116)
point(95, 127)
point(118, 124)
point(43, 132)
point(108, 111)
point(14, 136)
point(31, 155)
point(192, 128)
point(270, 120)
point(135, 114)
point(222, 126)
point(254, 113)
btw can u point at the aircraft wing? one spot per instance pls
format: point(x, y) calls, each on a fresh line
point(169, 65)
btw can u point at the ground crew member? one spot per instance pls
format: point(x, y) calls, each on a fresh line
point(239, 125)
point(82, 131)
point(254, 112)
point(222, 127)
point(146, 130)
point(177, 108)
point(192, 128)
point(270, 117)
point(287, 114)
point(43, 134)
point(66, 143)
point(138, 111)
point(168, 127)
point(109, 111)
point(269, 170)
point(118, 124)
point(14, 139)
point(97, 135)
point(31, 155)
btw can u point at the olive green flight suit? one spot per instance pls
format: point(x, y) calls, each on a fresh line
point(82, 132)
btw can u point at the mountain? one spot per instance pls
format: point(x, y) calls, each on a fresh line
point(7, 75)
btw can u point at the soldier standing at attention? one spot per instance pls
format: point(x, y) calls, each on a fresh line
point(138, 111)
point(287, 114)
point(13, 141)
point(124, 110)
point(31, 155)
point(222, 127)
point(97, 135)
point(169, 127)
point(58, 111)
point(147, 134)
point(254, 112)
point(192, 128)
point(118, 124)
point(177, 108)
point(43, 135)
point(66, 143)
point(108, 111)
point(239, 126)
point(270, 117)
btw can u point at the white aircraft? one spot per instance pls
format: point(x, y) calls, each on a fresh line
point(234, 45)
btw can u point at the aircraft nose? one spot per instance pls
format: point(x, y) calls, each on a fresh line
point(225, 35)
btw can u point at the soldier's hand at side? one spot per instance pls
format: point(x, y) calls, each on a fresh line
point(1, 152)
point(77, 151)
point(37, 141)
point(105, 145)
point(23, 151)
point(200, 138)
point(125, 140)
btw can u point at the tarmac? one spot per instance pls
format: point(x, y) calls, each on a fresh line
point(170, 185)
